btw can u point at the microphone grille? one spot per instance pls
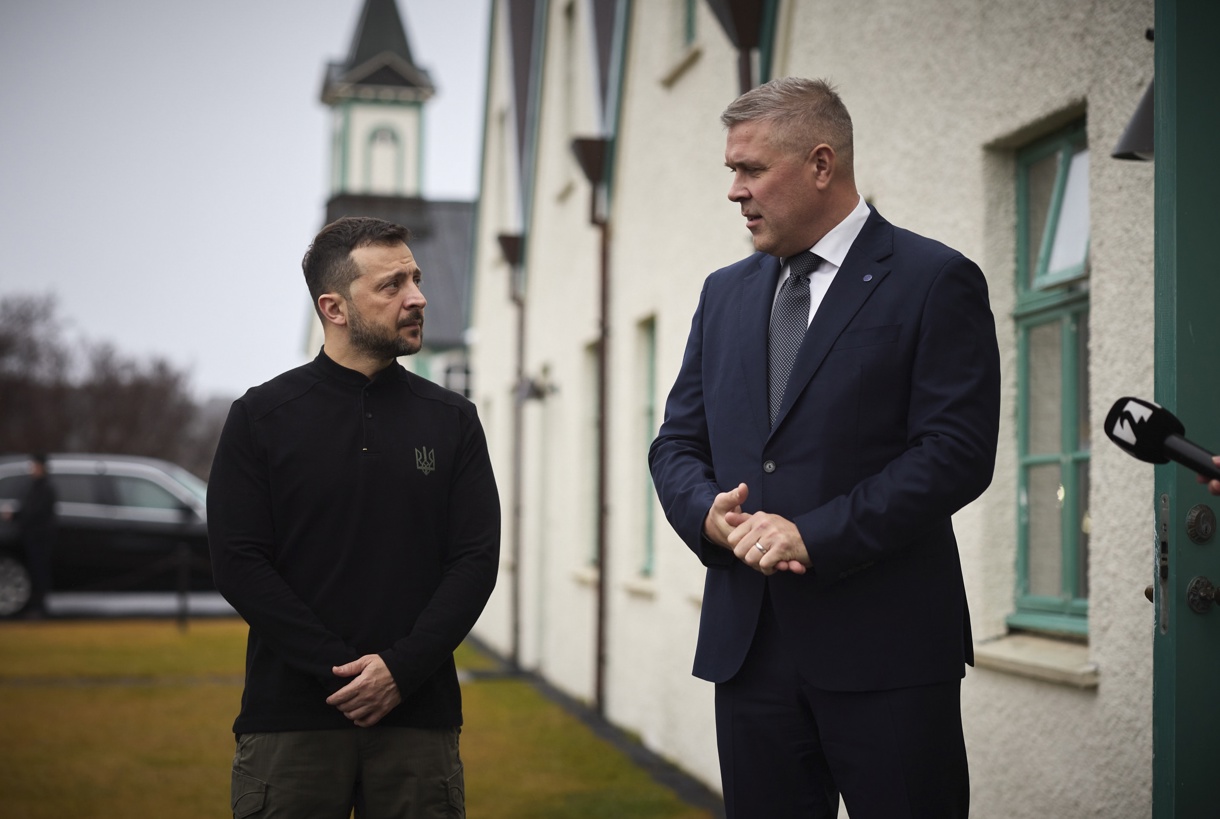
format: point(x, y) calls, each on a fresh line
point(1140, 427)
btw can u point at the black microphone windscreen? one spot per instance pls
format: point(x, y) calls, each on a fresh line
point(1141, 427)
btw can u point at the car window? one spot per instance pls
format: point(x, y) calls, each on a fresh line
point(130, 491)
point(196, 486)
point(75, 488)
point(14, 487)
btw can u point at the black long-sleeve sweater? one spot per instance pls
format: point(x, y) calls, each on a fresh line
point(350, 516)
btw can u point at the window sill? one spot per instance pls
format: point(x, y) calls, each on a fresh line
point(1039, 658)
point(586, 576)
point(643, 587)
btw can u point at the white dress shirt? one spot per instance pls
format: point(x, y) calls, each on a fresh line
point(832, 248)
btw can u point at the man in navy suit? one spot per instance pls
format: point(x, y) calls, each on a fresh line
point(834, 620)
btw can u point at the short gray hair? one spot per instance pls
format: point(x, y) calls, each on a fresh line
point(804, 113)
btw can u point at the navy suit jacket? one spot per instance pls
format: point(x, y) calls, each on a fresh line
point(887, 428)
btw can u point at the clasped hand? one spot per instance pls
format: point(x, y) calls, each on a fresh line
point(370, 695)
point(766, 543)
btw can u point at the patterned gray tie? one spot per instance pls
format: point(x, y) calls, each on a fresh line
point(789, 321)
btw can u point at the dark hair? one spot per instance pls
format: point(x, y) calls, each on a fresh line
point(804, 113)
point(39, 458)
point(328, 264)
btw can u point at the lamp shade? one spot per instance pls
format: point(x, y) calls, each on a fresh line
point(590, 153)
point(1136, 141)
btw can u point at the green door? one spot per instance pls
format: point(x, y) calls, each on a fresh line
point(1186, 650)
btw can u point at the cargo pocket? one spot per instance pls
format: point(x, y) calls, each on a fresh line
point(248, 795)
point(457, 794)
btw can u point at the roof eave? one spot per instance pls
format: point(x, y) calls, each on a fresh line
point(342, 83)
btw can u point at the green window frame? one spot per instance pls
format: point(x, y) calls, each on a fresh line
point(1053, 212)
point(689, 18)
point(1054, 429)
point(647, 335)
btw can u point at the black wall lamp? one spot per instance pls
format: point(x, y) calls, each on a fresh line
point(590, 153)
point(1136, 141)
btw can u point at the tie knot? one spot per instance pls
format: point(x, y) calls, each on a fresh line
point(802, 264)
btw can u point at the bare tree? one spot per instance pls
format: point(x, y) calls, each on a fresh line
point(103, 402)
point(34, 371)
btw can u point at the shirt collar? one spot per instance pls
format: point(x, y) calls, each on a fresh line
point(331, 369)
point(834, 245)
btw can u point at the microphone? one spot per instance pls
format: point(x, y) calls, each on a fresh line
point(1152, 433)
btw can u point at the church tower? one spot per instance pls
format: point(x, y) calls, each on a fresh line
point(376, 97)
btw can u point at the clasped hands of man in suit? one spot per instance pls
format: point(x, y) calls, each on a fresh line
point(766, 543)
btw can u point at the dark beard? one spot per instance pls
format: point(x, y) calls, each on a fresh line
point(373, 340)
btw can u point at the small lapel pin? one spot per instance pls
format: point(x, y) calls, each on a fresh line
point(868, 277)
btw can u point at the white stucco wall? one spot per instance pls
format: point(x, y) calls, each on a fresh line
point(672, 225)
point(491, 340)
point(942, 93)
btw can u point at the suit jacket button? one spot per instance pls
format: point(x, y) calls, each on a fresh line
point(768, 466)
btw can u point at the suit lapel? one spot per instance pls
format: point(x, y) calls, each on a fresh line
point(756, 292)
point(864, 268)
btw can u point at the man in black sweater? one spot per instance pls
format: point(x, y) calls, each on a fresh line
point(354, 523)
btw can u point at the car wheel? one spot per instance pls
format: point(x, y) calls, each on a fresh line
point(14, 586)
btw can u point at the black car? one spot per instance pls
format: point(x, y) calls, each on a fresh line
point(124, 523)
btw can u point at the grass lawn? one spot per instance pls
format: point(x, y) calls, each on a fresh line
point(121, 718)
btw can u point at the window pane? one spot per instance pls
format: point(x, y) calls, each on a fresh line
point(75, 488)
point(1040, 186)
point(1072, 230)
point(384, 156)
point(140, 492)
point(1086, 523)
point(1045, 394)
point(1045, 532)
point(14, 487)
point(193, 484)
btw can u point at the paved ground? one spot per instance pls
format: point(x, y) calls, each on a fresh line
point(137, 604)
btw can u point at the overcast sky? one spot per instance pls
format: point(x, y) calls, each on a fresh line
point(163, 165)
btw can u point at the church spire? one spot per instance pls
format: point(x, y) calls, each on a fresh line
point(379, 64)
